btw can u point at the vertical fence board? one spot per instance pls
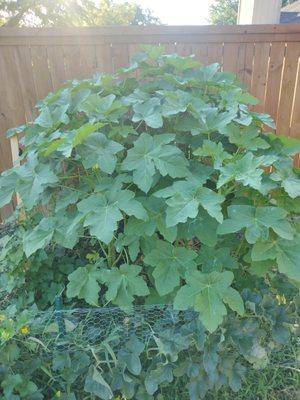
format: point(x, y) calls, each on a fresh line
point(260, 73)
point(248, 66)
point(200, 51)
point(134, 49)
point(230, 57)
point(274, 78)
point(185, 49)
point(57, 66)
point(25, 80)
point(103, 58)
point(215, 53)
point(72, 62)
point(240, 64)
point(170, 48)
point(88, 61)
point(41, 71)
point(295, 120)
point(288, 88)
point(120, 56)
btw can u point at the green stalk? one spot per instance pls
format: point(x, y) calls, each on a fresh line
point(103, 251)
point(111, 253)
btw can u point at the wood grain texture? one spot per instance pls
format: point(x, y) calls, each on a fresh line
point(295, 117)
point(230, 57)
point(104, 58)
point(288, 87)
point(276, 63)
point(260, 74)
point(248, 66)
point(25, 81)
point(41, 71)
point(71, 55)
point(57, 67)
point(215, 53)
point(88, 61)
point(120, 56)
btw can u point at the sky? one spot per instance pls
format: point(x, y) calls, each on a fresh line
point(178, 12)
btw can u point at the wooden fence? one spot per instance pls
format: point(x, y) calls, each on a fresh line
point(34, 62)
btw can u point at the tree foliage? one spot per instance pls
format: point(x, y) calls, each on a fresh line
point(287, 2)
point(155, 185)
point(48, 13)
point(224, 12)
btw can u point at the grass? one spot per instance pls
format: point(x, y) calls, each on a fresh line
point(279, 381)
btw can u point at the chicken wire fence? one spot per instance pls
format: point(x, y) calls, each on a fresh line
point(79, 328)
point(107, 333)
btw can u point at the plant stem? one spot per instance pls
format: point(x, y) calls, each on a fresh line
point(117, 258)
point(111, 252)
point(103, 251)
point(240, 246)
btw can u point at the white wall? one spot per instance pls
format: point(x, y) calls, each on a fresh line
point(259, 12)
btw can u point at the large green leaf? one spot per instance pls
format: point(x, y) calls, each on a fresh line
point(7, 186)
point(214, 150)
point(246, 170)
point(66, 197)
point(96, 385)
point(33, 179)
point(68, 228)
point(174, 102)
point(96, 107)
point(85, 131)
point(163, 373)
point(124, 283)
point(213, 259)
point(203, 227)
point(156, 210)
point(83, 283)
point(286, 253)
point(98, 150)
point(52, 116)
point(206, 293)
point(129, 355)
point(170, 263)
point(39, 237)
point(102, 212)
point(184, 199)
point(264, 119)
point(257, 222)
point(248, 138)
point(150, 112)
point(152, 153)
point(288, 180)
point(212, 120)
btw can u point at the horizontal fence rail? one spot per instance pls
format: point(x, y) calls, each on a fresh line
point(34, 62)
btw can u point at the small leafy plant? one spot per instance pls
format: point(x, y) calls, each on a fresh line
point(157, 185)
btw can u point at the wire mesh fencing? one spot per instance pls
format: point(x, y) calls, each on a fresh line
point(79, 328)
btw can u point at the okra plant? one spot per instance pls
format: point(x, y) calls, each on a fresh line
point(155, 185)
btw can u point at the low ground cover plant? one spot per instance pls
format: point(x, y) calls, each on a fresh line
point(157, 185)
